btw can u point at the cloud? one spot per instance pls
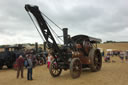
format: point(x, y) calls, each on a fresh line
point(105, 19)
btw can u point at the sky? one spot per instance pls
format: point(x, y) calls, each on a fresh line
point(104, 19)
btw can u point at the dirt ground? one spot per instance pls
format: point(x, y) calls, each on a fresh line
point(111, 74)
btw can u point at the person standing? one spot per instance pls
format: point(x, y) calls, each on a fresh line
point(103, 54)
point(49, 59)
point(29, 67)
point(126, 56)
point(20, 66)
point(122, 56)
point(107, 58)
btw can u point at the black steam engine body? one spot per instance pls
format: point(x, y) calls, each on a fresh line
point(77, 52)
point(10, 54)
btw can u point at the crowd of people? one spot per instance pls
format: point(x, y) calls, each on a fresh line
point(123, 55)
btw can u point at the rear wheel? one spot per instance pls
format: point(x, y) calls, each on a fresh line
point(1, 64)
point(55, 71)
point(75, 68)
point(96, 60)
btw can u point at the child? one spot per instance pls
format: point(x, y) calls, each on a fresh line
point(49, 59)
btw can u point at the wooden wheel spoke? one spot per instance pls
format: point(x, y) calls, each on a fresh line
point(55, 72)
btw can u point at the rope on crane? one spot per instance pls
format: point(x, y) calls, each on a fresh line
point(36, 27)
point(51, 21)
point(48, 26)
point(55, 34)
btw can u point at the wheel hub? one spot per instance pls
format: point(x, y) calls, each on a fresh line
point(77, 68)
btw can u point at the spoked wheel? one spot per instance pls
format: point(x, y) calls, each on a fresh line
point(41, 61)
point(54, 70)
point(96, 60)
point(75, 68)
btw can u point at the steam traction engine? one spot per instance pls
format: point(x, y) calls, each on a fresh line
point(78, 52)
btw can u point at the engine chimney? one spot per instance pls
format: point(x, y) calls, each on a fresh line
point(65, 36)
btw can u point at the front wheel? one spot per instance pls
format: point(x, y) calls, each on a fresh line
point(55, 71)
point(75, 68)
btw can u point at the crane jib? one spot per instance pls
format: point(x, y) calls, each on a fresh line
point(44, 28)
